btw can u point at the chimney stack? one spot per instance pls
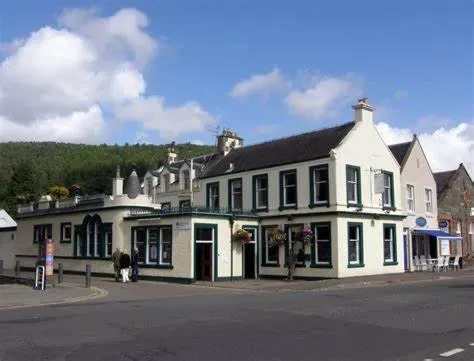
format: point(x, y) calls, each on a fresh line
point(363, 112)
point(117, 183)
point(227, 141)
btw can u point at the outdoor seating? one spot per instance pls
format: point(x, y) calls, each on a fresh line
point(441, 264)
point(455, 263)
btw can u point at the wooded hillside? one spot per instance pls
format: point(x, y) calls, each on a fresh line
point(30, 169)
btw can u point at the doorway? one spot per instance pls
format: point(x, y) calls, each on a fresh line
point(249, 260)
point(204, 261)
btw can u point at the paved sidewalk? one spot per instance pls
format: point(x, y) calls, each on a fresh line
point(344, 283)
point(19, 296)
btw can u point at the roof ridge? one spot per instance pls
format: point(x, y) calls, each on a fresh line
point(295, 135)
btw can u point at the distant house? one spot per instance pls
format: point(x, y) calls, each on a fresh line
point(341, 184)
point(455, 193)
point(422, 236)
point(7, 239)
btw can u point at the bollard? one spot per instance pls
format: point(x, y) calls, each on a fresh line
point(88, 275)
point(17, 268)
point(1, 266)
point(60, 273)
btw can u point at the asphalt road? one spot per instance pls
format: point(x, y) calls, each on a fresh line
point(429, 321)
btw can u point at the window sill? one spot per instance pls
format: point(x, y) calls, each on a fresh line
point(282, 208)
point(360, 265)
point(260, 209)
point(65, 241)
point(389, 208)
point(270, 265)
point(92, 258)
point(158, 266)
point(391, 263)
point(315, 265)
point(354, 205)
point(316, 205)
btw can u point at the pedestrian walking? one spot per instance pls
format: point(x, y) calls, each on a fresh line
point(116, 263)
point(125, 266)
point(134, 263)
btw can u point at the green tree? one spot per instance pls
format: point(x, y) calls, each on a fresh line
point(58, 192)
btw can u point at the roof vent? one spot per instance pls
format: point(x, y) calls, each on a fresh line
point(231, 168)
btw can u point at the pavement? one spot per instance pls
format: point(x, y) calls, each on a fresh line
point(73, 288)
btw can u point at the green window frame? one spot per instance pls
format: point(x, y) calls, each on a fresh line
point(320, 240)
point(285, 188)
point(78, 241)
point(353, 186)
point(212, 198)
point(388, 195)
point(108, 241)
point(266, 252)
point(234, 197)
point(390, 244)
point(64, 237)
point(42, 232)
point(155, 248)
point(258, 192)
point(323, 185)
point(290, 231)
point(355, 245)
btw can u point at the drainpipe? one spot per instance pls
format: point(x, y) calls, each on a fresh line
point(231, 222)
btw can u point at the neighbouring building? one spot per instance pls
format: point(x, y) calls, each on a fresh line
point(342, 183)
point(455, 192)
point(7, 239)
point(421, 234)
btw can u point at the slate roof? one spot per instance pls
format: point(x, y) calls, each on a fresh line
point(294, 149)
point(442, 179)
point(399, 151)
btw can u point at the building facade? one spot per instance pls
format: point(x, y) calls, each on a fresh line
point(7, 240)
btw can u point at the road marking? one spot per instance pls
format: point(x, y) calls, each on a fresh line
point(428, 359)
point(452, 352)
point(471, 344)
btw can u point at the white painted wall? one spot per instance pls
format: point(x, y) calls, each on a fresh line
point(7, 248)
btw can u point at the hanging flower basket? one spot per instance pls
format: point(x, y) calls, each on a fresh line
point(242, 236)
point(276, 237)
point(305, 235)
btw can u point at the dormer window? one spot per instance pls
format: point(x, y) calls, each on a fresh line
point(212, 195)
point(388, 194)
point(186, 179)
point(167, 182)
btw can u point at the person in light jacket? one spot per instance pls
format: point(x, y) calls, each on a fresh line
point(125, 265)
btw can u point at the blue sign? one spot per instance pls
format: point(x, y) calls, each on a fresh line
point(443, 224)
point(420, 221)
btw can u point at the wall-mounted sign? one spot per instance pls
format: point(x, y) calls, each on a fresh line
point(420, 221)
point(445, 247)
point(183, 225)
point(49, 257)
point(443, 224)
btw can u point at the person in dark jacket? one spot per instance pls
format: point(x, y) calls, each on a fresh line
point(116, 263)
point(125, 265)
point(134, 263)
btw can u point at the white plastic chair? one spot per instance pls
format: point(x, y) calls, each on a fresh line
point(417, 263)
point(424, 263)
point(446, 263)
point(440, 264)
point(455, 264)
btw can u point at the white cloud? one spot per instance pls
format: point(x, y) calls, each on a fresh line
point(445, 148)
point(77, 127)
point(324, 98)
point(85, 66)
point(260, 84)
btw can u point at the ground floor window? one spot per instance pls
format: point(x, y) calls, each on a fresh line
point(154, 244)
point(355, 245)
point(270, 253)
point(292, 241)
point(93, 238)
point(321, 246)
point(389, 244)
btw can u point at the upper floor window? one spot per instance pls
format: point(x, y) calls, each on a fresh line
point(185, 205)
point(260, 192)
point(353, 185)
point(410, 198)
point(65, 232)
point(319, 185)
point(166, 180)
point(458, 227)
point(428, 200)
point(166, 206)
point(41, 232)
point(149, 186)
point(235, 194)
point(212, 197)
point(288, 189)
point(387, 195)
point(186, 180)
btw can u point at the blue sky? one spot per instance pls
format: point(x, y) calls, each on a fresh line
point(413, 59)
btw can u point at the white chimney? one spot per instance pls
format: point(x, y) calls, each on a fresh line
point(363, 112)
point(117, 184)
